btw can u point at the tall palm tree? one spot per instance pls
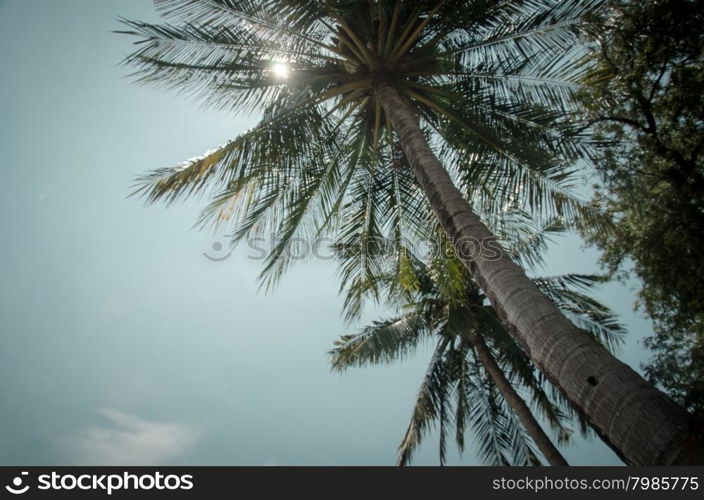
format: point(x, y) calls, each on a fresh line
point(483, 86)
point(445, 303)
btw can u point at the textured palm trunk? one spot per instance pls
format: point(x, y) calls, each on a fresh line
point(518, 405)
point(641, 424)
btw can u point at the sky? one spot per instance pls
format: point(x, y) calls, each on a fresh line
point(120, 342)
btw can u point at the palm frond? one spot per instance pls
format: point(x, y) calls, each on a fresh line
point(430, 404)
point(381, 342)
point(583, 310)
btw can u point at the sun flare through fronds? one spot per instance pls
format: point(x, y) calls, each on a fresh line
point(280, 70)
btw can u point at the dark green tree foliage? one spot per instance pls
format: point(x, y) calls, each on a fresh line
point(646, 96)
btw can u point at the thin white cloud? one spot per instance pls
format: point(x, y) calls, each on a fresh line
point(130, 440)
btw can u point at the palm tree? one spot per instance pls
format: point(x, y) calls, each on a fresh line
point(343, 86)
point(445, 303)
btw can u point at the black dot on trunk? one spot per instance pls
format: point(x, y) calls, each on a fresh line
point(592, 380)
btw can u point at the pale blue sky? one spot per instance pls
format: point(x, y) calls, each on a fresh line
point(119, 341)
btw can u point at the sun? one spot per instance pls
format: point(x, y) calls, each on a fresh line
point(280, 70)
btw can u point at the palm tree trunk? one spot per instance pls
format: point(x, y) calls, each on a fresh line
point(517, 404)
point(641, 424)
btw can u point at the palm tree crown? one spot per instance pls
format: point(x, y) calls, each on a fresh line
point(445, 307)
point(491, 93)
